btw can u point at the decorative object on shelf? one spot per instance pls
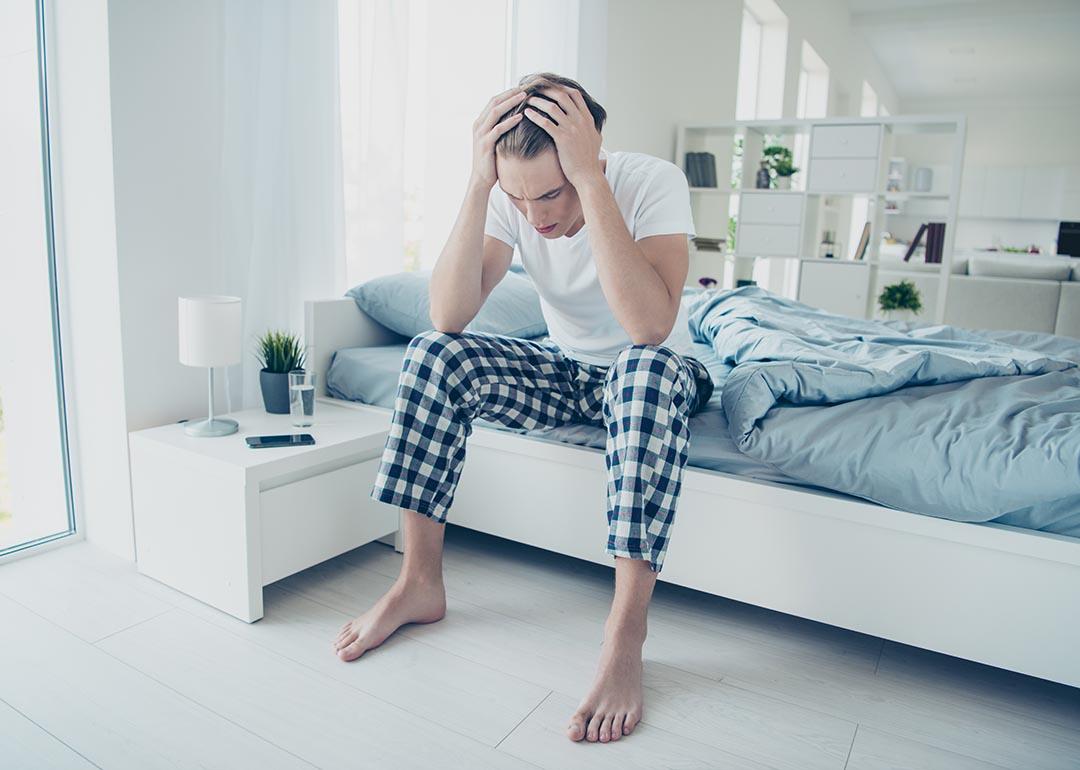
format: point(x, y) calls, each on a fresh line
point(279, 353)
point(896, 178)
point(701, 169)
point(709, 244)
point(915, 242)
point(935, 239)
point(779, 163)
point(210, 333)
point(864, 239)
point(924, 179)
point(827, 247)
point(763, 180)
point(900, 301)
point(707, 283)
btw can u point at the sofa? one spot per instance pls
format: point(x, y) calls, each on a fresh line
point(1028, 292)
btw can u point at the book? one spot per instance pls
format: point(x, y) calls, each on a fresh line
point(710, 169)
point(935, 246)
point(915, 242)
point(864, 239)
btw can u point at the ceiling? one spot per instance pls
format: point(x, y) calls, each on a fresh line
point(975, 49)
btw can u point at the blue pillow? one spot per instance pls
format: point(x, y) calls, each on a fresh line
point(400, 303)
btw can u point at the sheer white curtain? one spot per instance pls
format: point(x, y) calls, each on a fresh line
point(414, 76)
point(280, 223)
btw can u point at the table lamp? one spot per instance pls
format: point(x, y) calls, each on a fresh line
point(210, 334)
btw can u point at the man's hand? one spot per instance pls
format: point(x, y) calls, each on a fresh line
point(568, 121)
point(486, 131)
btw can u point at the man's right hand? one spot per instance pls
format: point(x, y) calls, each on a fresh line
point(486, 132)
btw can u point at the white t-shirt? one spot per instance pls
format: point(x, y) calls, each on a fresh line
point(654, 199)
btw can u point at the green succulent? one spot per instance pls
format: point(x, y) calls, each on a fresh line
point(279, 352)
point(779, 160)
point(900, 296)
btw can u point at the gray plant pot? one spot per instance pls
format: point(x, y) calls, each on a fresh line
point(275, 391)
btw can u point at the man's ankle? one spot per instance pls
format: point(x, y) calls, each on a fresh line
point(420, 579)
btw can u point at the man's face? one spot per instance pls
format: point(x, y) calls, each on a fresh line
point(540, 191)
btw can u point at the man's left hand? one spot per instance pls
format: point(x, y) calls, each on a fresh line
point(569, 122)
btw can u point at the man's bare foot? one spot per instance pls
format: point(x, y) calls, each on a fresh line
point(405, 602)
point(614, 704)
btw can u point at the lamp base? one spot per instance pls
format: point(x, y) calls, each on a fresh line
point(208, 428)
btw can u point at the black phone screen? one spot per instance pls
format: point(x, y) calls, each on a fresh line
point(295, 439)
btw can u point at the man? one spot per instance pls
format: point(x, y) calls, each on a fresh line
point(604, 238)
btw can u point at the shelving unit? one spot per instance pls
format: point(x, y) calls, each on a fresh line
point(846, 160)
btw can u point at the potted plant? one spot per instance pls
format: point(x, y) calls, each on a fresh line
point(778, 160)
point(278, 354)
point(900, 301)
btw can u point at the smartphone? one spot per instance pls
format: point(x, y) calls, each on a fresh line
point(295, 439)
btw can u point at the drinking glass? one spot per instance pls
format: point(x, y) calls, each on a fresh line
point(302, 398)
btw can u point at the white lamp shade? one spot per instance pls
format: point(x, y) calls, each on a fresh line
point(210, 330)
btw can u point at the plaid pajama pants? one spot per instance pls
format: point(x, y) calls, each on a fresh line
point(644, 398)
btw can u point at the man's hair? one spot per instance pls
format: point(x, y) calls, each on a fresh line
point(526, 139)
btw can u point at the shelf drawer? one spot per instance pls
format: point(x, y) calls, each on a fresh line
point(768, 240)
point(317, 518)
point(771, 208)
point(845, 141)
point(842, 175)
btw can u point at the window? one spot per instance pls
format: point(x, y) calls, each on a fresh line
point(762, 58)
point(869, 106)
point(414, 74)
point(813, 97)
point(35, 482)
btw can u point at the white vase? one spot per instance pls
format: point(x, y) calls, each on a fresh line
point(783, 183)
point(902, 314)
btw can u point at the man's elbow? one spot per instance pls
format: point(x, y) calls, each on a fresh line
point(653, 336)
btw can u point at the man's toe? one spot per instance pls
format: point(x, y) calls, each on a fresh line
point(576, 729)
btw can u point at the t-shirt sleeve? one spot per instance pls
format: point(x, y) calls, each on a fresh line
point(664, 207)
point(501, 222)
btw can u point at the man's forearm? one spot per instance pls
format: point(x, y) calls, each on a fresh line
point(457, 277)
point(638, 296)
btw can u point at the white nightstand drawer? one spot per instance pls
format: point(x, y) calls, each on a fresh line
point(842, 174)
point(314, 519)
point(771, 208)
point(845, 141)
point(768, 240)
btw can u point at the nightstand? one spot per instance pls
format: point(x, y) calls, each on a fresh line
point(218, 520)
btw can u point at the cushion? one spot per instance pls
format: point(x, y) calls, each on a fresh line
point(400, 303)
point(1020, 266)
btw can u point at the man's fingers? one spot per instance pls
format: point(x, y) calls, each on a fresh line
point(506, 125)
point(547, 109)
point(499, 109)
point(562, 98)
point(578, 99)
point(542, 120)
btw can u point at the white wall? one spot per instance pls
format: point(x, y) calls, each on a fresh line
point(677, 62)
point(669, 63)
point(1009, 133)
point(89, 278)
point(826, 25)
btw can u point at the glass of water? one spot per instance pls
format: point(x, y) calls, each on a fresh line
point(302, 398)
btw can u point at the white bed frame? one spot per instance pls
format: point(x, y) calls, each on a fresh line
point(995, 594)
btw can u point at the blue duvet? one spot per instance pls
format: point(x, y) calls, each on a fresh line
point(935, 420)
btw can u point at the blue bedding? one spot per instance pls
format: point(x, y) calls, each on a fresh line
point(970, 426)
point(935, 420)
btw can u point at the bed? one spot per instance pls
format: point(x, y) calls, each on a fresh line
point(772, 520)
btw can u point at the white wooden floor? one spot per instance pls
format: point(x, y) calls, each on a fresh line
point(100, 666)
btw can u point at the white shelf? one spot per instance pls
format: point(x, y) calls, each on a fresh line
point(864, 145)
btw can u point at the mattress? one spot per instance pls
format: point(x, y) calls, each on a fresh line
point(370, 375)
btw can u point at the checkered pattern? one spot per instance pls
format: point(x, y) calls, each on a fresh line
point(644, 399)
